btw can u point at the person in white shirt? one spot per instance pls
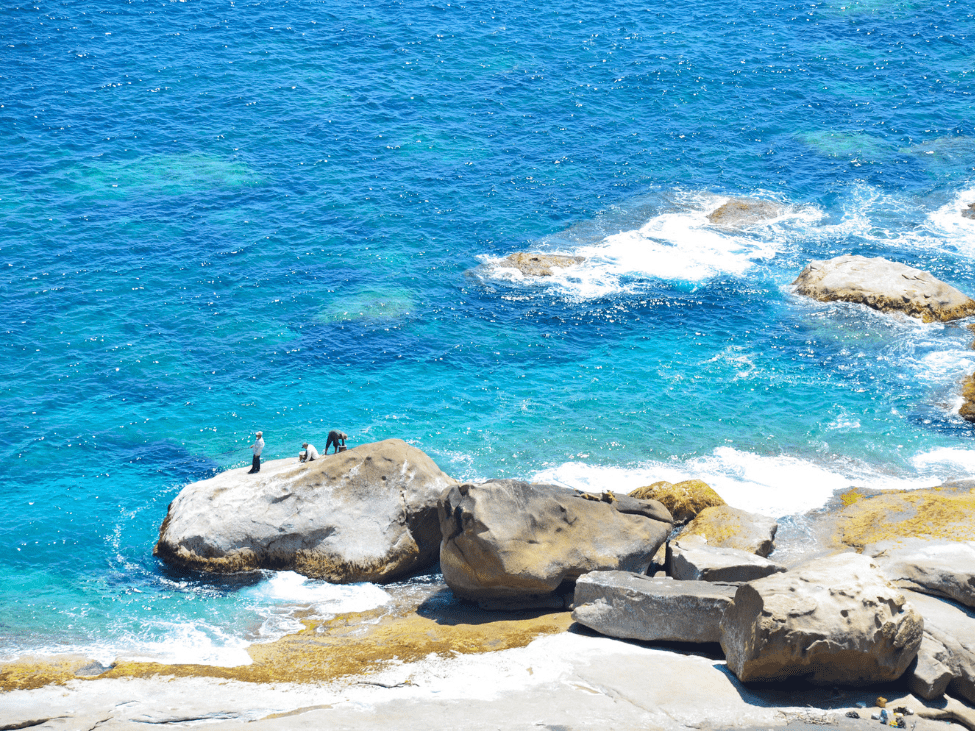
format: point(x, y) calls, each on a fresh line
point(309, 455)
point(257, 447)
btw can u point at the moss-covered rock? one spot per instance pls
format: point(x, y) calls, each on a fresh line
point(684, 499)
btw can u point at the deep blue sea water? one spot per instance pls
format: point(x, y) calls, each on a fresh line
point(227, 216)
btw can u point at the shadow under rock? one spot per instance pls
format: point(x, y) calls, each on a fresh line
point(445, 608)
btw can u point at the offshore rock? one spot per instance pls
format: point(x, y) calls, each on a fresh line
point(632, 606)
point(533, 264)
point(692, 559)
point(834, 620)
point(741, 212)
point(942, 568)
point(684, 499)
point(507, 539)
point(969, 210)
point(726, 527)
point(883, 285)
point(946, 658)
point(967, 408)
point(366, 514)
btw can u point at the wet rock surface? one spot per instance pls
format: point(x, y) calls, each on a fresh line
point(533, 264)
point(742, 212)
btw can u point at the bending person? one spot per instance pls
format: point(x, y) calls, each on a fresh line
point(334, 437)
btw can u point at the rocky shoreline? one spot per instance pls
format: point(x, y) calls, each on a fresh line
point(661, 608)
point(721, 635)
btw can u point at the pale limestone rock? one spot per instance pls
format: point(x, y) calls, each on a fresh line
point(366, 514)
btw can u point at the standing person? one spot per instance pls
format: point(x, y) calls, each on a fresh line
point(257, 448)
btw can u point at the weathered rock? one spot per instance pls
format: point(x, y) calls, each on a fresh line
point(633, 506)
point(831, 621)
point(942, 568)
point(883, 285)
point(726, 527)
point(366, 514)
point(967, 408)
point(633, 606)
point(533, 264)
point(511, 539)
point(867, 517)
point(693, 559)
point(684, 499)
point(946, 658)
point(741, 212)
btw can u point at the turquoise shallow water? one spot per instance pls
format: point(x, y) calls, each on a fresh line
point(282, 216)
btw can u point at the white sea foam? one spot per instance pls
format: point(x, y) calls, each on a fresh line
point(185, 643)
point(288, 587)
point(771, 485)
point(950, 226)
point(677, 246)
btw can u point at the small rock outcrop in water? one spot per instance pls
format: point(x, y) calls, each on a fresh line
point(883, 285)
point(684, 499)
point(511, 540)
point(967, 408)
point(741, 212)
point(969, 211)
point(726, 527)
point(692, 559)
point(533, 264)
point(832, 621)
point(366, 514)
point(636, 607)
point(946, 658)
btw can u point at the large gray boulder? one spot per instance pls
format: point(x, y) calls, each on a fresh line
point(511, 540)
point(692, 559)
point(726, 527)
point(883, 285)
point(942, 568)
point(634, 606)
point(833, 620)
point(366, 514)
point(946, 658)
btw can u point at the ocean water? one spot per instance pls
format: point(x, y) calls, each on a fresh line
point(223, 217)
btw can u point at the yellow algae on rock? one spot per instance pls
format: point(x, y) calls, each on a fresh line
point(726, 527)
point(684, 499)
point(937, 513)
point(352, 644)
point(28, 673)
